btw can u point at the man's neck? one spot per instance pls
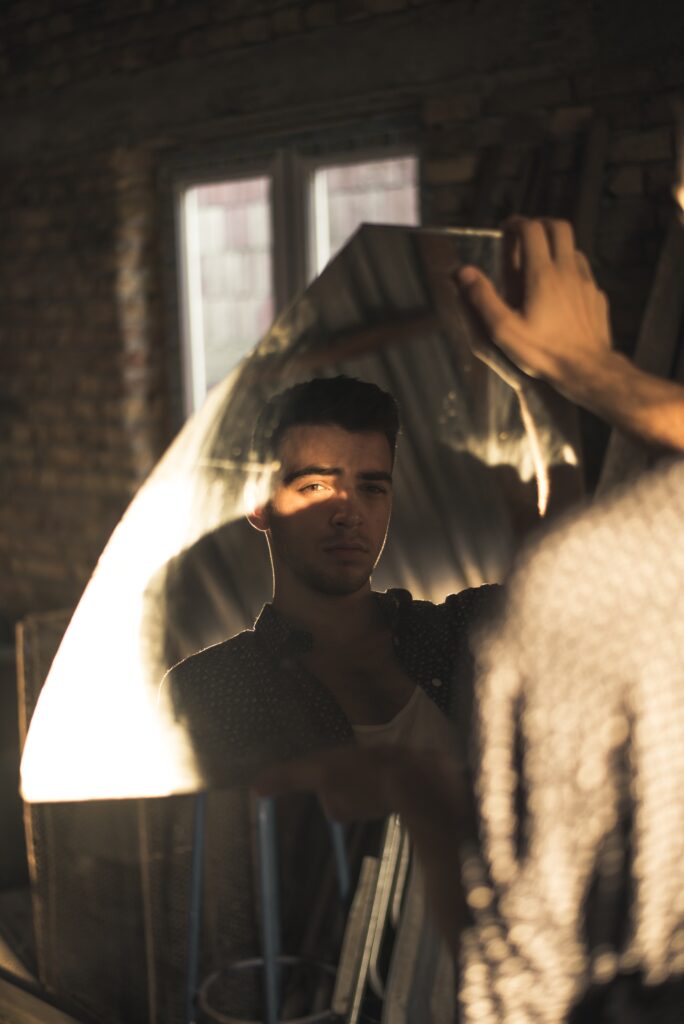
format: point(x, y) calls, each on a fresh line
point(330, 618)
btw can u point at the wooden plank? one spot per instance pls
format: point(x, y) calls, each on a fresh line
point(24, 1004)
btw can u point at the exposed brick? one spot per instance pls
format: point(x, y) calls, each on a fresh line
point(512, 159)
point(36, 33)
point(457, 170)
point(660, 178)
point(223, 37)
point(132, 58)
point(671, 70)
point(19, 12)
point(530, 95)
point(195, 43)
point(626, 181)
point(191, 15)
point(441, 109)
point(569, 120)
point(352, 10)
point(287, 21)
point(164, 49)
point(444, 199)
point(386, 6)
point(621, 111)
point(86, 43)
point(458, 137)
point(644, 146)
point(661, 108)
point(320, 15)
point(565, 154)
point(518, 74)
point(255, 30)
point(531, 129)
point(625, 225)
point(59, 75)
point(123, 9)
point(60, 24)
point(616, 80)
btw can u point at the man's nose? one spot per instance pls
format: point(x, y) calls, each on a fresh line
point(347, 511)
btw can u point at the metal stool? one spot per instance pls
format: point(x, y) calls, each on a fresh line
point(272, 960)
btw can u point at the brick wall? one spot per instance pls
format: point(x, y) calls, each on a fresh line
point(97, 98)
point(81, 403)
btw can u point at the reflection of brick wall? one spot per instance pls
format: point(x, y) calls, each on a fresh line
point(96, 98)
point(380, 192)
point(236, 280)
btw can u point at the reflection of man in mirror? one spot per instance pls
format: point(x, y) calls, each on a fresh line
point(330, 660)
point(326, 523)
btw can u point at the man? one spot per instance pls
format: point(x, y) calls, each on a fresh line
point(328, 654)
point(329, 660)
point(560, 332)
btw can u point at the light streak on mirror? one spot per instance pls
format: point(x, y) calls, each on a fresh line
point(480, 444)
point(678, 189)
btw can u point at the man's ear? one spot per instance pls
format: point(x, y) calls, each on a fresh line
point(260, 518)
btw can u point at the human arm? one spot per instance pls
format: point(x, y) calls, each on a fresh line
point(430, 791)
point(559, 330)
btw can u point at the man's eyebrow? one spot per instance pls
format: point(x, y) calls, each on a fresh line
point(375, 474)
point(312, 471)
point(378, 475)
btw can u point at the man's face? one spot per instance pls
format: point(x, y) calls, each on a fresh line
point(328, 518)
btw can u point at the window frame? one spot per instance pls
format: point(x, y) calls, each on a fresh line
point(289, 158)
point(347, 158)
point(193, 383)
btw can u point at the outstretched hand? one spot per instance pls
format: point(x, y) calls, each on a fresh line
point(360, 784)
point(429, 790)
point(557, 327)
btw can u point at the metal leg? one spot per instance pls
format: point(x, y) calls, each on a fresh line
point(195, 906)
point(340, 854)
point(270, 911)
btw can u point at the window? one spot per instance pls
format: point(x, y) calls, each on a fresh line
point(344, 196)
point(249, 243)
point(228, 286)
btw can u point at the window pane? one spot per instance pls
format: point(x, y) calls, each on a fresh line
point(344, 196)
point(229, 287)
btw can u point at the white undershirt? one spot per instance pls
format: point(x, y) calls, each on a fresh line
point(419, 724)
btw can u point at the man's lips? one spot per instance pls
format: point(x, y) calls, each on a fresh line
point(346, 545)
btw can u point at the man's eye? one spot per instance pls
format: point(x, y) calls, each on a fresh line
point(312, 487)
point(374, 489)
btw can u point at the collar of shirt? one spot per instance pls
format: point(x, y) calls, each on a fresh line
point(281, 640)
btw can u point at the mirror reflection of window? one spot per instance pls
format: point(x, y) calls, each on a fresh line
point(343, 196)
point(228, 278)
point(230, 251)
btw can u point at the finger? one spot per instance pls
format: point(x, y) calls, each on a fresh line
point(484, 298)
point(513, 290)
point(584, 267)
point(534, 244)
point(561, 241)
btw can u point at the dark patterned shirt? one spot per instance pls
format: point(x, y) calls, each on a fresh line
point(250, 698)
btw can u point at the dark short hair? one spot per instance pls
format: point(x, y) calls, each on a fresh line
point(355, 405)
